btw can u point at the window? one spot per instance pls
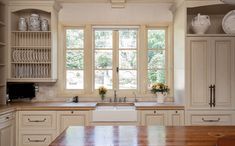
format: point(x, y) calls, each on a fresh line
point(157, 55)
point(115, 58)
point(74, 58)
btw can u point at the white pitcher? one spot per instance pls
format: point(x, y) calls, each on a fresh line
point(201, 23)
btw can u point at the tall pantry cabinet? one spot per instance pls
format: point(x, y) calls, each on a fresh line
point(209, 64)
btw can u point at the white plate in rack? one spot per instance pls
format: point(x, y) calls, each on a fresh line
point(228, 23)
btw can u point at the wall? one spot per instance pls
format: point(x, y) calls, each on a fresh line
point(102, 14)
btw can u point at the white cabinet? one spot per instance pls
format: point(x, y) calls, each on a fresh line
point(72, 118)
point(211, 73)
point(7, 129)
point(3, 55)
point(162, 117)
point(33, 54)
point(209, 118)
point(36, 128)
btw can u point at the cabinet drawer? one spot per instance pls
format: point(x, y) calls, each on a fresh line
point(37, 120)
point(32, 139)
point(7, 117)
point(211, 119)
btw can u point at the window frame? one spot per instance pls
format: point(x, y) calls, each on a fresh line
point(142, 62)
point(115, 56)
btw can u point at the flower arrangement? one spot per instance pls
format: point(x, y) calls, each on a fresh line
point(159, 87)
point(102, 92)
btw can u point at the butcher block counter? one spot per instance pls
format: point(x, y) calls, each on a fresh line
point(142, 136)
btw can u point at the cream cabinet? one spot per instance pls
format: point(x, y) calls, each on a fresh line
point(36, 128)
point(3, 38)
point(32, 53)
point(211, 73)
point(162, 117)
point(198, 118)
point(72, 118)
point(7, 129)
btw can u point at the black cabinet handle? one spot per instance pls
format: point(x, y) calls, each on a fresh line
point(43, 140)
point(213, 103)
point(37, 121)
point(210, 120)
point(210, 103)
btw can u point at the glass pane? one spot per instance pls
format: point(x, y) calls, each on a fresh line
point(103, 59)
point(74, 59)
point(158, 76)
point(74, 79)
point(156, 39)
point(127, 60)
point(156, 59)
point(74, 38)
point(127, 79)
point(103, 39)
point(103, 78)
point(128, 38)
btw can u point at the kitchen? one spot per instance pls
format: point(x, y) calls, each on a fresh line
point(59, 54)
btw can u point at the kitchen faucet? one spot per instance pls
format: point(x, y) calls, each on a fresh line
point(115, 96)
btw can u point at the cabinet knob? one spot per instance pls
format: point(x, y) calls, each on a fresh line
point(176, 112)
point(154, 112)
point(72, 112)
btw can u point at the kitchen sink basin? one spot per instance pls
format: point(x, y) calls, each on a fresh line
point(114, 112)
point(115, 104)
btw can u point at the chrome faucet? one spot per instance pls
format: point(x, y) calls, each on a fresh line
point(115, 96)
point(135, 96)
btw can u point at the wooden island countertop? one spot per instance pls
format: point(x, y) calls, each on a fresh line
point(142, 135)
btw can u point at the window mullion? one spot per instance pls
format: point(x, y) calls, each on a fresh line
point(115, 60)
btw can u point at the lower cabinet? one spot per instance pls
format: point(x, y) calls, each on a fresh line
point(36, 128)
point(162, 117)
point(72, 118)
point(7, 129)
point(210, 118)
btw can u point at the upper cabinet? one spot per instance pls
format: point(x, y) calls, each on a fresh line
point(3, 39)
point(33, 41)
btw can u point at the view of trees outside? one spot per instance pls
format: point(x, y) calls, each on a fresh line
point(104, 58)
point(156, 56)
point(128, 59)
point(74, 59)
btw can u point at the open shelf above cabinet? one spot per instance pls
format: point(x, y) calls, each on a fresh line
point(216, 14)
point(33, 54)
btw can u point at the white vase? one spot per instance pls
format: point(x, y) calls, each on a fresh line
point(22, 25)
point(201, 23)
point(44, 25)
point(34, 22)
point(161, 97)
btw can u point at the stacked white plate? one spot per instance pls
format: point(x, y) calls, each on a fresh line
point(228, 23)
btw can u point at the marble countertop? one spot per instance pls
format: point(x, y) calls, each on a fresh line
point(23, 106)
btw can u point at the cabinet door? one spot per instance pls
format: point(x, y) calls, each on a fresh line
point(199, 72)
point(223, 76)
point(155, 117)
point(72, 118)
point(175, 118)
point(7, 136)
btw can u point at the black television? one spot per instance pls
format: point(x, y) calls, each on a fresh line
point(18, 91)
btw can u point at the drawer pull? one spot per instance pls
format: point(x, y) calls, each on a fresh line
point(43, 140)
point(7, 118)
point(37, 121)
point(210, 120)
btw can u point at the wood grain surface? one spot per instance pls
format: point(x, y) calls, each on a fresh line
point(142, 136)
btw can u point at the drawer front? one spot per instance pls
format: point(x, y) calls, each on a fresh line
point(7, 117)
point(31, 139)
point(211, 119)
point(37, 120)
